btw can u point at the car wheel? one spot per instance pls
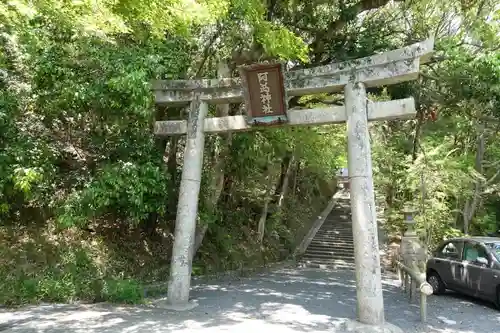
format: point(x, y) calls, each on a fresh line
point(436, 283)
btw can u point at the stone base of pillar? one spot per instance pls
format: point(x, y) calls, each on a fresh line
point(354, 326)
point(163, 303)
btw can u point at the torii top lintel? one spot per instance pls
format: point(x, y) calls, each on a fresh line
point(381, 69)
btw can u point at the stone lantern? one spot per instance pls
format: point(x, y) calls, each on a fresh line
point(412, 249)
point(409, 213)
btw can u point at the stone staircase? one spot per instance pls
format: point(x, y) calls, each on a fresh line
point(333, 246)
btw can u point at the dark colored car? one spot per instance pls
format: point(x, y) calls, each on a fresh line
point(467, 265)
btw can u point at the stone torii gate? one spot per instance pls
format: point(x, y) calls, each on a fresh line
point(264, 89)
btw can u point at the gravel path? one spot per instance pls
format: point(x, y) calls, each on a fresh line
point(286, 301)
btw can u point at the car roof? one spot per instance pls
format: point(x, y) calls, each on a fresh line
point(481, 239)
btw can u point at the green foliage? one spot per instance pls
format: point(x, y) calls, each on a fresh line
point(281, 43)
point(75, 276)
point(129, 190)
point(488, 223)
point(247, 18)
point(90, 103)
point(123, 291)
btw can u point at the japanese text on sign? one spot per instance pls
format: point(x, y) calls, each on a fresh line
point(265, 94)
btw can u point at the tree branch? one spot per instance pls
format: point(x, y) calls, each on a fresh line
point(318, 45)
point(270, 10)
point(206, 51)
point(430, 77)
point(492, 179)
point(321, 101)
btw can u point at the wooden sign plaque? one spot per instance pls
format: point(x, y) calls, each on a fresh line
point(264, 93)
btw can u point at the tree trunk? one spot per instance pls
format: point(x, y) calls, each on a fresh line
point(170, 159)
point(284, 168)
point(418, 132)
point(472, 204)
point(293, 182)
point(285, 183)
point(227, 188)
point(262, 221)
point(270, 188)
point(173, 145)
point(219, 156)
point(295, 178)
point(458, 218)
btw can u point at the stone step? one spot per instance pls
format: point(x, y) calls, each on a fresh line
point(328, 258)
point(343, 258)
point(333, 247)
point(327, 264)
point(334, 261)
point(339, 220)
point(332, 244)
point(334, 237)
point(343, 267)
point(329, 254)
point(337, 224)
point(333, 266)
point(334, 229)
point(334, 233)
point(329, 251)
point(333, 241)
point(331, 261)
point(315, 249)
point(340, 214)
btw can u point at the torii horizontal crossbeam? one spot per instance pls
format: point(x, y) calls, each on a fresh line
point(377, 70)
point(395, 109)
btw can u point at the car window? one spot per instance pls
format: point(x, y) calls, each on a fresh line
point(495, 247)
point(472, 251)
point(450, 250)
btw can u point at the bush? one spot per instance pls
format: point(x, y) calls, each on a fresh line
point(65, 271)
point(123, 291)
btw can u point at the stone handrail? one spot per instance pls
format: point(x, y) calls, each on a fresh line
point(411, 281)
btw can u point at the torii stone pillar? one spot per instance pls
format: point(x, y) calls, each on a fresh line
point(353, 77)
point(187, 208)
point(364, 218)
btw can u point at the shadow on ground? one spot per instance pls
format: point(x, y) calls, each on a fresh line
point(291, 300)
